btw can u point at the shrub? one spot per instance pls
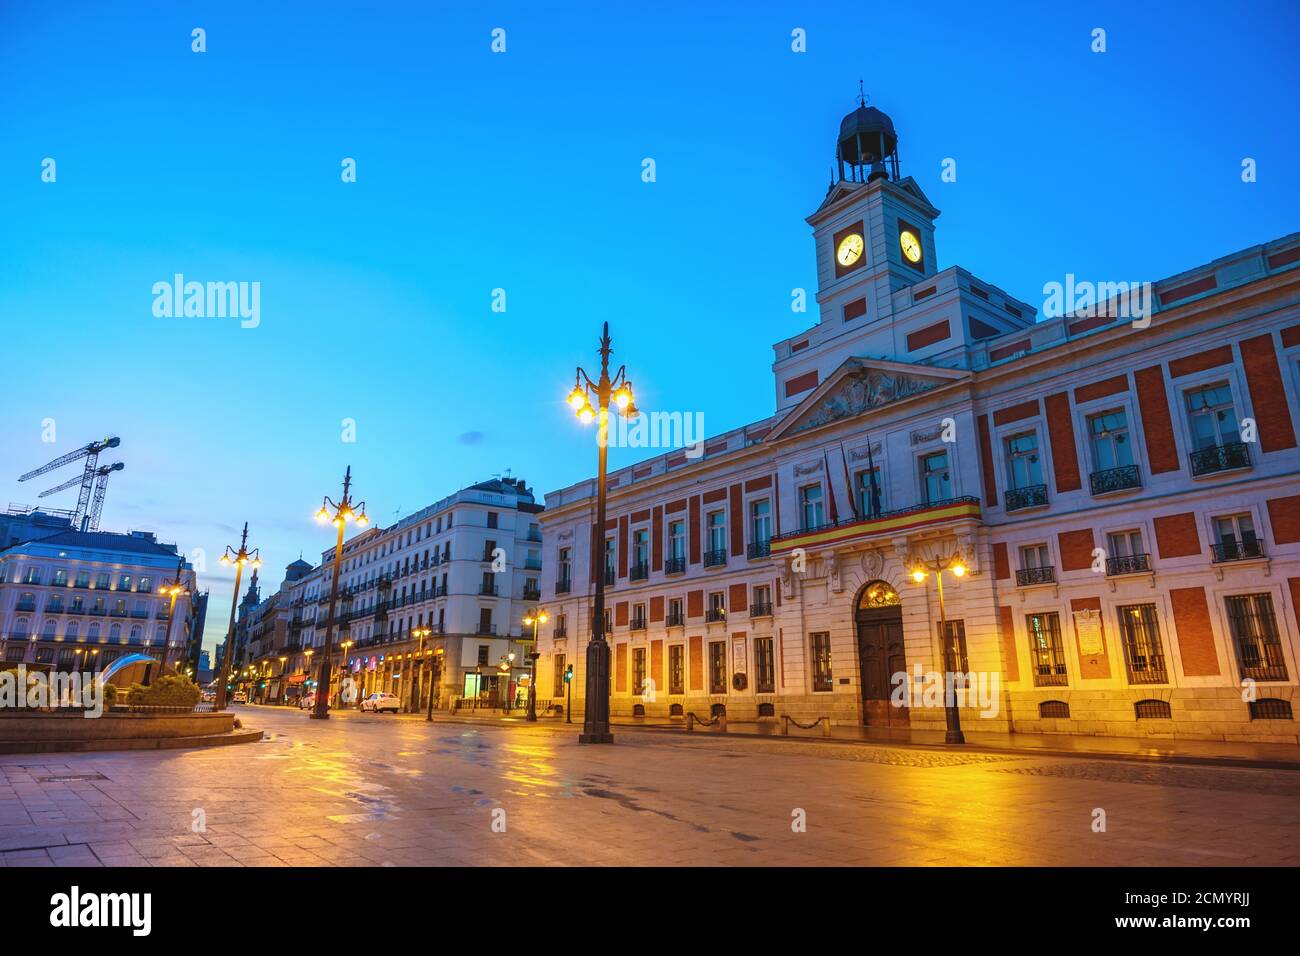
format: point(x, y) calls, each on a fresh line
point(171, 690)
point(110, 695)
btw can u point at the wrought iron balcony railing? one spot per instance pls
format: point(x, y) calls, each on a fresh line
point(1115, 479)
point(675, 619)
point(715, 614)
point(639, 571)
point(1128, 564)
point(1232, 550)
point(715, 558)
point(1216, 458)
point(675, 566)
point(1034, 496)
point(563, 585)
point(760, 549)
point(1029, 576)
point(760, 609)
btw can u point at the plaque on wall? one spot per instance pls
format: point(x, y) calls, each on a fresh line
point(1087, 626)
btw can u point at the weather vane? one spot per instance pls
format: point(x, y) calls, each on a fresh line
point(862, 96)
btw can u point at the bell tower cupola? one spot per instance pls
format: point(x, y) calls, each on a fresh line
point(867, 148)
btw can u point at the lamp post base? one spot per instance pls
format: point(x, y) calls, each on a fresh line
point(954, 737)
point(596, 738)
point(315, 716)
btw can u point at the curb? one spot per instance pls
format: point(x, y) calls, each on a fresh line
point(142, 743)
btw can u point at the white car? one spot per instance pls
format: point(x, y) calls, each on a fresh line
point(377, 703)
point(240, 697)
point(308, 702)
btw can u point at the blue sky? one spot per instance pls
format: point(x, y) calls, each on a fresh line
point(522, 171)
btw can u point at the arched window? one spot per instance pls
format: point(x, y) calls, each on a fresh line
point(47, 632)
point(20, 627)
point(115, 634)
point(161, 635)
point(74, 628)
point(136, 634)
point(92, 632)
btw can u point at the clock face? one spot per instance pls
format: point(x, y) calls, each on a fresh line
point(911, 245)
point(849, 250)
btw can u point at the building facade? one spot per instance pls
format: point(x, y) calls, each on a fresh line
point(76, 597)
point(1119, 483)
point(467, 569)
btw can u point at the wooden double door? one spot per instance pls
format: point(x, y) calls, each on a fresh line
point(881, 656)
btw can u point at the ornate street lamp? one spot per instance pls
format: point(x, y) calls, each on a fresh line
point(421, 632)
point(173, 589)
point(238, 558)
point(920, 569)
point(532, 619)
point(343, 512)
point(595, 720)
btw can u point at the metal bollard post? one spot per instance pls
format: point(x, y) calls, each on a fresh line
point(722, 723)
point(826, 726)
point(785, 725)
point(690, 722)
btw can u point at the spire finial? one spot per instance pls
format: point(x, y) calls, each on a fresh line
point(862, 96)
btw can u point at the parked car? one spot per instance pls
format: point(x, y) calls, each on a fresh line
point(381, 702)
point(240, 697)
point(308, 701)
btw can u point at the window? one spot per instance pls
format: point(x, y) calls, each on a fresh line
point(1254, 634)
point(934, 476)
point(145, 586)
point(638, 670)
point(1109, 438)
point(485, 620)
point(102, 581)
point(1234, 537)
point(717, 606)
point(867, 487)
point(1211, 416)
point(638, 617)
point(565, 580)
point(492, 519)
point(717, 667)
point(675, 616)
point(761, 603)
point(1126, 553)
point(676, 669)
point(33, 576)
point(124, 582)
point(640, 554)
point(765, 664)
point(483, 655)
point(810, 507)
point(821, 660)
point(760, 528)
point(1035, 565)
point(559, 675)
point(677, 540)
point(83, 579)
point(716, 524)
point(610, 560)
point(61, 578)
point(1024, 467)
point(561, 628)
point(1140, 634)
point(1046, 650)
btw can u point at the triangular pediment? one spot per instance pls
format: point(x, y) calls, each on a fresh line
point(861, 385)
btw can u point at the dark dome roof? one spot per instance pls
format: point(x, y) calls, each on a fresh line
point(866, 119)
point(866, 136)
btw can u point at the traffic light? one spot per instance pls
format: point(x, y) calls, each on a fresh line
point(568, 673)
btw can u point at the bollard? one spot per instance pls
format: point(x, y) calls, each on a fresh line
point(826, 726)
point(690, 722)
point(722, 723)
point(785, 725)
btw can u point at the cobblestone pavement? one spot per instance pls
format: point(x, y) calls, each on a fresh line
point(369, 790)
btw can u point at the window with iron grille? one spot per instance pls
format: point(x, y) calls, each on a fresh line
point(717, 667)
point(821, 660)
point(1057, 709)
point(638, 670)
point(676, 668)
point(954, 647)
point(1152, 710)
point(765, 664)
point(559, 675)
point(1046, 650)
point(1254, 634)
point(1139, 630)
point(1270, 708)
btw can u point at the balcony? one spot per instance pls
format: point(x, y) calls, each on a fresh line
point(140, 613)
point(1028, 577)
point(760, 609)
point(25, 606)
point(1128, 564)
point(532, 594)
point(440, 591)
point(715, 615)
point(488, 630)
point(1232, 550)
point(1216, 458)
point(675, 619)
point(1034, 496)
point(533, 564)
point(675, 566)
point(118, 612)
point(759, 549)
point(609, 577)
point(638, 624)
point(563, 586)
point(560, 632)
point(534, 534)
point(1111, 480)
point(890, 523)
point(53, 607)
point(639, 571)
point(489, 590)
point(715, 558)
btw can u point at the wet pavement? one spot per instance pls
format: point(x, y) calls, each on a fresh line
point(370, 790)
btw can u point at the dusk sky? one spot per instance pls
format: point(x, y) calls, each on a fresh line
point(522, 171)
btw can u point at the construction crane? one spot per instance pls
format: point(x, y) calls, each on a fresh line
point(89, 474)
point(91, 520)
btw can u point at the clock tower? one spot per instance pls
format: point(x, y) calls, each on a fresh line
point(874, 231)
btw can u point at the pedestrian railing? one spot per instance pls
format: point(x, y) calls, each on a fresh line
point(719, 721)
point(787, 720)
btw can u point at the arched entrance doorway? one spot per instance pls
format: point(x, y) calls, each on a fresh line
point(879, 618)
